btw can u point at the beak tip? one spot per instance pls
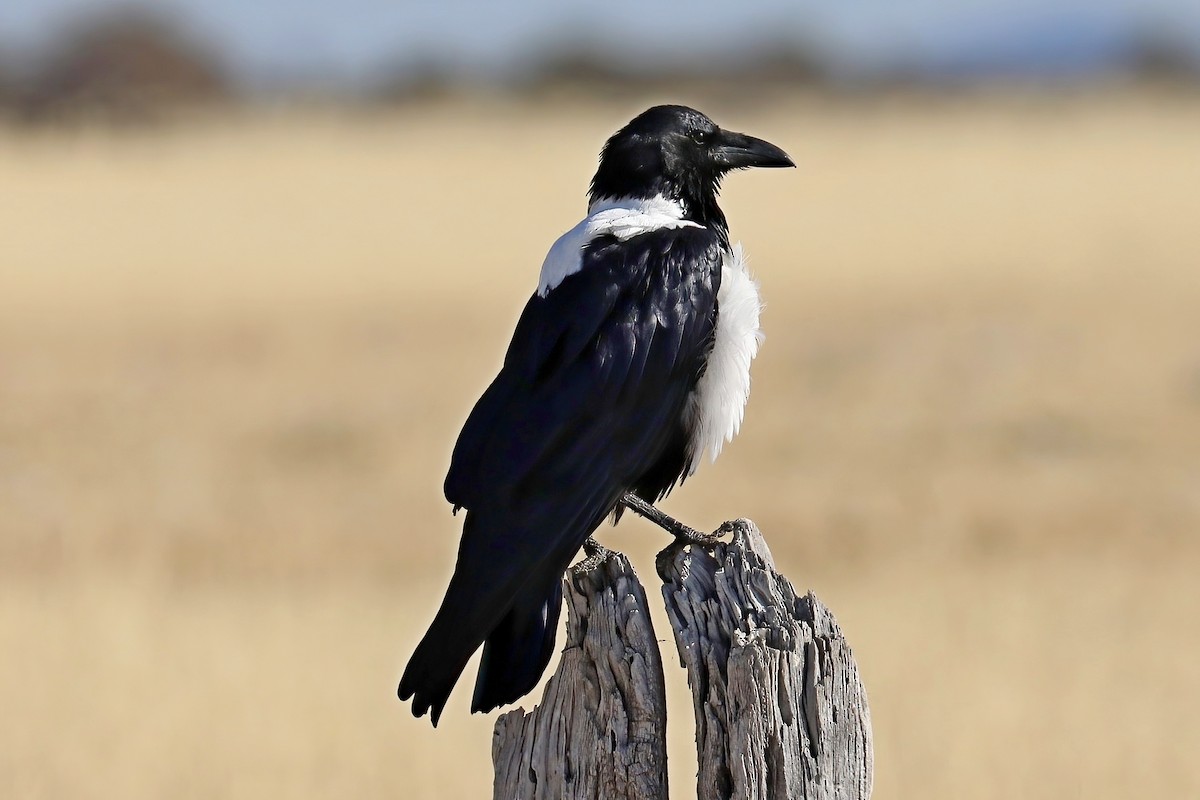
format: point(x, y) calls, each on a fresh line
point(739, 151)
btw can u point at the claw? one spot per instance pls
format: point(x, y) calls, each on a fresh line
point(596, 553)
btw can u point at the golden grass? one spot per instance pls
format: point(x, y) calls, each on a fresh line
point(233, 359)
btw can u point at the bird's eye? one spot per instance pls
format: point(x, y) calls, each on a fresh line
point(701, 136)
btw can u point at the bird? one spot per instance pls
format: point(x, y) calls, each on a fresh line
point(629, 364)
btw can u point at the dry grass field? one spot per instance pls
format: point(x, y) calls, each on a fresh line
point(234, 356)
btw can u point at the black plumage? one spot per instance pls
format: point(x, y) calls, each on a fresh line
point(592, 401)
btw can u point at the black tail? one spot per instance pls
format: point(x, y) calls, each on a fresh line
point(496, 598)
point(506, 594)
point(518, 649)
point(434, 668)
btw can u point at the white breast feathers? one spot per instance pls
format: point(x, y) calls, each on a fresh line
point(716, 406)
point(623, 218)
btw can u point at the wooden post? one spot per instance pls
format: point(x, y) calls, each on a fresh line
point(780, 711)
point(600, 730)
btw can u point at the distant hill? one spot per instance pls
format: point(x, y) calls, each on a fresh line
point(132, 66)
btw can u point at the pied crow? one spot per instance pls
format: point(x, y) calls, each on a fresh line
point(629, 364)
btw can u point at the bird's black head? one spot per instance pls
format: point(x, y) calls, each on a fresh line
point(681, 154)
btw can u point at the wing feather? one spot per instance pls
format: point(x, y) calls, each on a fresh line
point(594, 368)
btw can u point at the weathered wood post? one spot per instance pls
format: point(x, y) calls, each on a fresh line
point(600, 730)
point(780, 710)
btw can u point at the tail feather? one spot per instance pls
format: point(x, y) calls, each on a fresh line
point(515, 653)
point(433, 670)
point(518, 649)
point(505, 594)
point(475, 602)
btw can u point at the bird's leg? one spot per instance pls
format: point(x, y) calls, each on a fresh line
point(597, 554)
point(669, 524)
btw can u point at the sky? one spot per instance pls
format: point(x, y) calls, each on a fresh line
point(347, 41)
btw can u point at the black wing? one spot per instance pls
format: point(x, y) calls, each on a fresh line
point(599, 369)
point(593, 390)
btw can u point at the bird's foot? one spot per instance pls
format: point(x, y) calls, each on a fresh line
point(707, 540)
point(683, 534)
point(596, 554)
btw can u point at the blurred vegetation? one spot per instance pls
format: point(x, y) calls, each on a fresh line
point(137, 65)
point(589, 70)
point(125, 67)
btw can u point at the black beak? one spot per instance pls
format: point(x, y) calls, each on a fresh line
point(737, 151)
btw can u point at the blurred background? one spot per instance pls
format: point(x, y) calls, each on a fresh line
point(258, 260)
